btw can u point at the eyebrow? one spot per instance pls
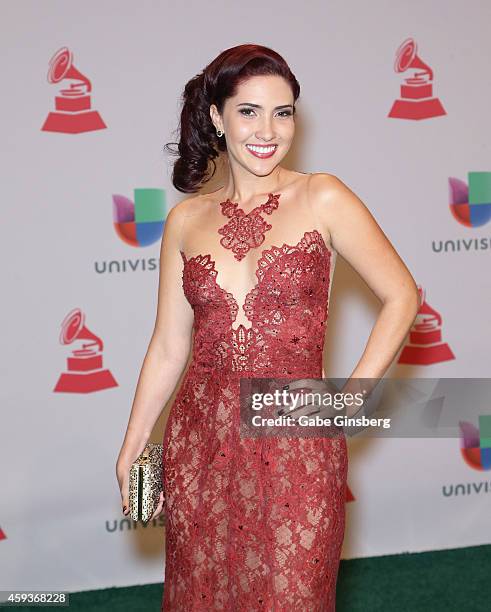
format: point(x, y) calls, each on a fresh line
point(259, 106)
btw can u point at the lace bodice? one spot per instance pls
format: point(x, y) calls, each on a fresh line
point(287, 309)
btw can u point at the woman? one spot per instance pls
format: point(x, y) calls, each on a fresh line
point(253, 523)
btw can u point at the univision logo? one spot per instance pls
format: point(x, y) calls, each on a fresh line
point(128, 524)
point(470, 206)
point(475, 446)
point(138, 223)
point(470, 203)
point(466, 488)
point(475, 443)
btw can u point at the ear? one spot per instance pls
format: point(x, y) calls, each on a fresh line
point(215, 117)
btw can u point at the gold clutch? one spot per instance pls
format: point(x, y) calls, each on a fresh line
point(145, 483)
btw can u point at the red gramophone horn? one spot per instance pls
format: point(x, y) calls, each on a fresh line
point(73, 328)
point(406, 57)
point(61, 66)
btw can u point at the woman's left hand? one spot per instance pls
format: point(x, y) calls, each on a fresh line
point(294, 408)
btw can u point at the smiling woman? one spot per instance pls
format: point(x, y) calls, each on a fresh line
point(253, 523)
point(204, 97)
point(265, 130)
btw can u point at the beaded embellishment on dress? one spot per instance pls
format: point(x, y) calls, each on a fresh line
point(245, 231)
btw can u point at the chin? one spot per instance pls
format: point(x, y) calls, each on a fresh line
point(263, 171)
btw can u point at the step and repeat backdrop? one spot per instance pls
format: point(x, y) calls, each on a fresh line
point(394, 101)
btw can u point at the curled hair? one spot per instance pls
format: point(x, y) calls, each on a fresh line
point(198, 143)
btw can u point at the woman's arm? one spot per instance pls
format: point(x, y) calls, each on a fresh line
point(358, 238)
point(169, 347)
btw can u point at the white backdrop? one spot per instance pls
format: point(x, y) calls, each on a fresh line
point(60, 521)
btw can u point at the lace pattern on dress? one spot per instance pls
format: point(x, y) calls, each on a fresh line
point(245, 231)
point(253, 524)
point(287, 309)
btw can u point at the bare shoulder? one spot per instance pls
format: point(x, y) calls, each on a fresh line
point(328, 189)
point(174, 220)
point(187, 206)
point(334, 202)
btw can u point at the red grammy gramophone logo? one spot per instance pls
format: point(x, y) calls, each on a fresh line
point(73, 113)
point(85, 373)
point(416, 101)
point(425, 344)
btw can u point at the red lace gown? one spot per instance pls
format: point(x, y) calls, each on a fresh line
point(253, 524)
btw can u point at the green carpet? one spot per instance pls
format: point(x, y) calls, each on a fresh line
point(447, 580)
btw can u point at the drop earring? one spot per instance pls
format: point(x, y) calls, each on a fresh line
point(219, 133)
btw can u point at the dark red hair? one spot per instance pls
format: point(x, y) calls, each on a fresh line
point(199, 144)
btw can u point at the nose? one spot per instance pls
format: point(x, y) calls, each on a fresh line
point(265, 131)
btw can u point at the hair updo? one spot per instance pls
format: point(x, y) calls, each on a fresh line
point(199, 143)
